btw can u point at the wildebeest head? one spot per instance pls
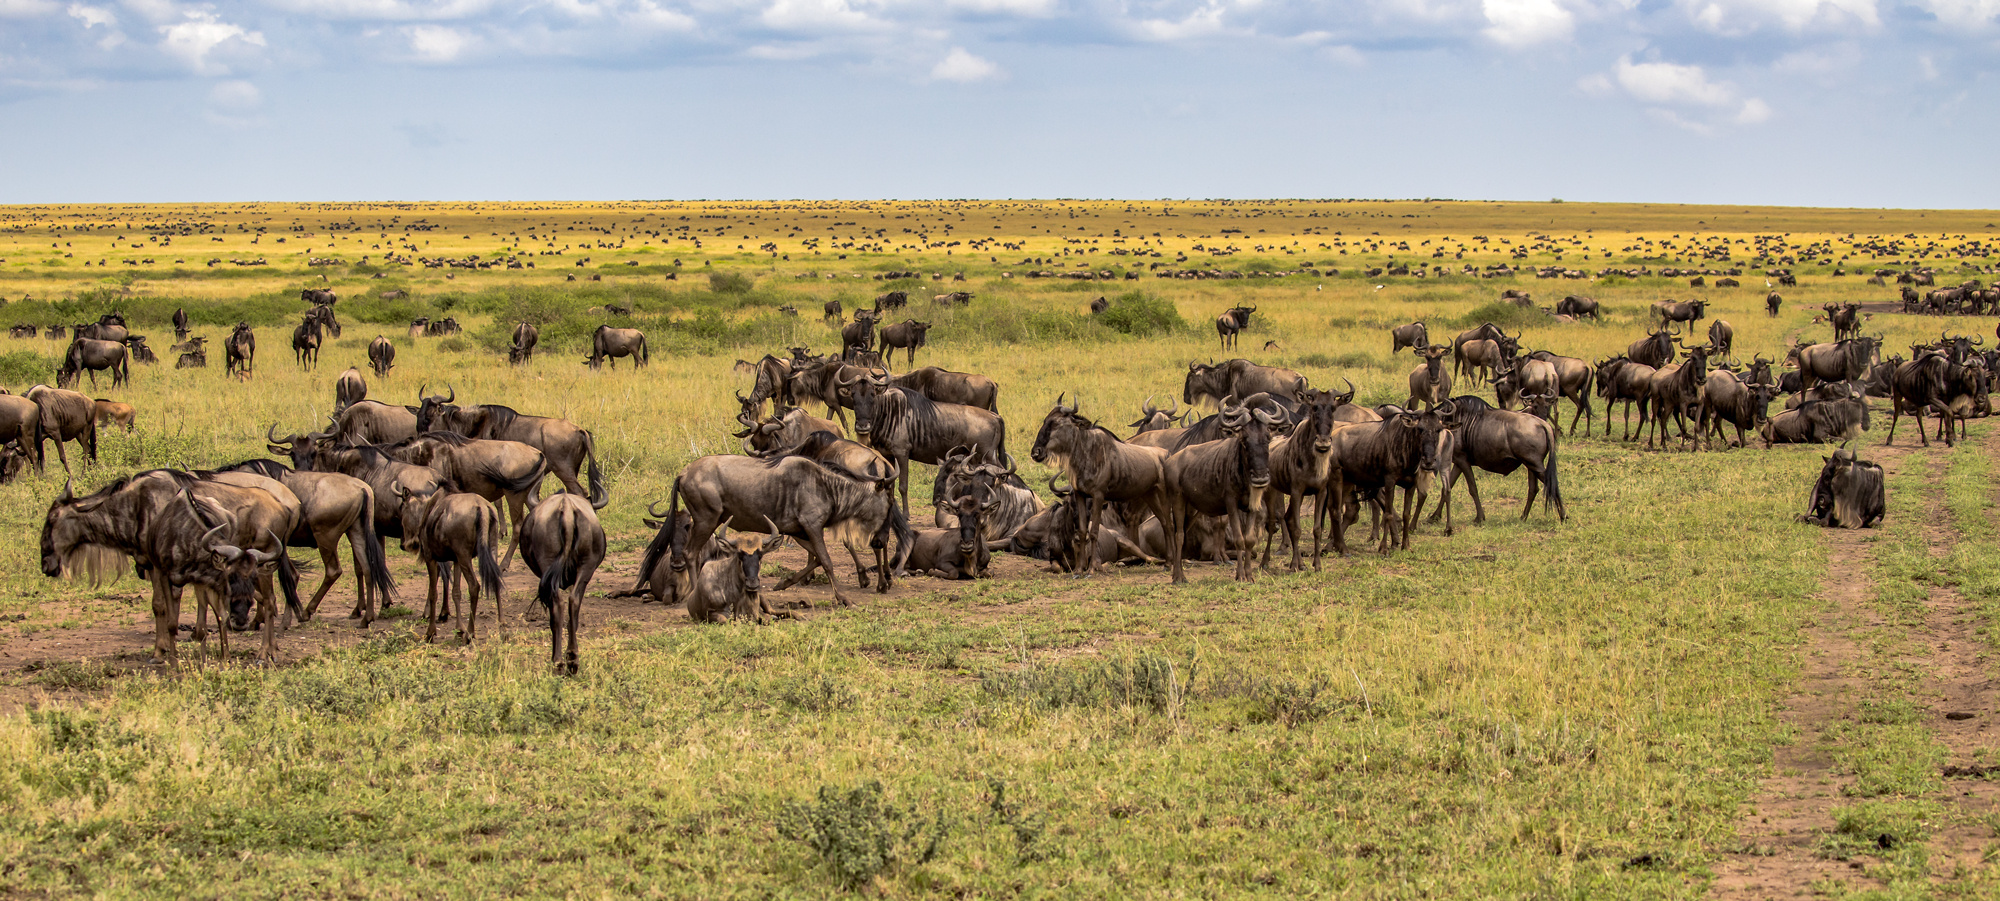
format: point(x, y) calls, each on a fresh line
point(433, 410)
point(1153, 419)
point(971, 510)
point(241, 568)
point(70, 536)
point(747, 550)
point(868, 389)
point(1047, 441)
point(1204, 380)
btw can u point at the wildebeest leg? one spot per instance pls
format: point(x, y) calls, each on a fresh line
point(166, 617)
point(516, 511)
point(1534, 486)
point(431, 603)
point(1176, 529)
point(816, 542)
point(329, 559)
point(1409, 497)
point(860, 569)
point(558, 614)
point(1472, 488)
point(1895, 413)
point(267, 609)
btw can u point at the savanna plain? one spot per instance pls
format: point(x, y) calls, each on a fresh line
point(1678, 692)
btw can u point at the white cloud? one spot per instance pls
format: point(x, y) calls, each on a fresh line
point(27, 9)
point(961, 66)
point(647, 14)
point(235, 94)
point(1010, 7)
point(1201, 23)
point(1681, 94)
point(816, 16)
point(195, 40)
point(1520, 23)
point(436, 43)
point(1740, 17)
point(92, 16)
point(1962, 13)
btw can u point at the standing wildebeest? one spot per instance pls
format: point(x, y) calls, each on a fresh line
point(224, 549)
point(1484, 332)
point(564, 544)
point(1728, 399)
point(1378, 457)
point(55, 333)
point(328, 323)
point(1227, 478)
point(1500, 442)
point(947, 387)
point(1577, 306)
point(1771, 303)
point(908, 335)
point(1720, 336)
point(1412, 336)
point(1676, 392)
point(373, 422)
point(333, 506)
point(1300, 466)
point(456, 533)
point(180, 324)
point(1919, 385)
point(111, 411)
point(567, 447)
point(890, 300)
point(494, 470)
point(1232, 321)
point(305, 343)
point(1655, 350)
point(349, 390)
point(772, 384)
point(831, 311)
point(1846, 319)
point(65, 416)
point(1430, 383)
point(1573, 381)
point(240, 350)
point(789, 495)
point(905, 425)
point(1669, 312)
point(1097, 307)
point(613, 343)
point(93, 355)
point(318, 297)
point(1837, 362)
point(858, 337)
point(523, 348)
point(1518, 380)
point(1240, 378)
point(381, 356)
point(21, 425)
point(1849, 494)
point(1103, 471)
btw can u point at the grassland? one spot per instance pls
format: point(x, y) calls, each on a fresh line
point(1524, 709)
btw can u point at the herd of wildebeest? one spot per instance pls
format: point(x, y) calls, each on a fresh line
point(1182, 485)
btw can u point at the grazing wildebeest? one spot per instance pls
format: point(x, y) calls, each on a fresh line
point(1500, 442)
point(523, 348)
point(333, 506)
point(613, 343)
point(180, 325)
point(111, 411)
point(93, 355)
point(381, 356)
point(1103, 471)
point(1240, 378)
point(1669, 312)
point(1412, 336)
point(890, 300)
point(349, 390)
point(1226, 478)
point(65, 416)
point(564, 544)
point(1097, 307)
point(1721, 335)
point(1577, 306)
point(1849, 494)
point(1771, 303)
point(789, 495)
point(904, 425)
point(1233, 320)
point(773, 384)
point(328, 323)
point(908, 335)
point(567, 447)
point(305, 343)
point(454, 534)
point(240, 350)
point(1430, 383)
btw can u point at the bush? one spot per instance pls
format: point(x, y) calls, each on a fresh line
point(1504, 315)
point(25, 367)
point(1141, 314)
point(858, 834)
point(729, 282)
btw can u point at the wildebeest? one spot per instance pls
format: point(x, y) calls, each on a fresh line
point(1226, 478)
point(890, 300)
point(1771, 304)
point(947, 387)
point(564, 544)
point(318, 297)
point(1413, 335)
point(831, 311)
point(23, 330)
point(1300, 466)
point(858, 337)
point(111, 411)
point(323, 316)
point(419, 327)
point(1500, 442)
point(789, 495)
point(240, 349)
point(727, 577)
point(1481, 358)
point(958, 552)
point(305, 343)
point(773, 383)
point(567, 447)
point(442, 327)
point(349, 389)
point(1818, 422)
point(1233, 320)
point(1669, 312)
point(1006, 503)
point(1573, 381)
point(1721, 335)
point(1675, 393)
point(55, 333)
point(523, 348)
point(21, 426)
point(1430, 383)
point(612, 343)
point(1097, 307)
point(1919, 385)
point(93, 355)
point(961, 298)
point(1846, 320)
point(197, 359)
point(1485, 331)
point(381, 356)
point(904, 425)
point(1728, 399)
point(908, 335)
point(65, 416)
point(1837, 362)
point(494, 470)
point(1515, 381)
point(1378, 457)
point(180, 325)
point(1240, 378)
point(1103, 470)
point(333, 506)
point(456, 536)
point(1850, 493)
point(1577, 306)
point(141, 352)
point(372, 422)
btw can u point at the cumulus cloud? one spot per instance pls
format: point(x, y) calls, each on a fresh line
point(436, 43)
point(1742, 17)
point(961, 66)
point(1519, 23)
point(1682, 94)
point(202, 37)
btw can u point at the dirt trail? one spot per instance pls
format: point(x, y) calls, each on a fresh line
point(1787, 821)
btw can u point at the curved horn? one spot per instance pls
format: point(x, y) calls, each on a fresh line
point(271, 435)
point(652, 512)
point(423, 391)
point(451, 394)
point(1147, 409)
point(1349, 396)
point(67, 495)
point(741, 399)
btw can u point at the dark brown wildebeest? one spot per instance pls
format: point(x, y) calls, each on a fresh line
point(1837, 362)
point(1500, 442)
point(93, 355)
point(1919, 385)
point(786, 427)
point(1232, 321)
point(791, 495)
point(23, 330)
point(564, 545)
point(831, 311)
point(192, 360)
point(55, 333)
point(305, 343)
point(1669, 312)
point(1675, 392)
point(1849, 494)
point(1484, 332)
point(904, 425)
point(1720, 336)
point(567, 447)
point(1517, 380)
point(1103, 471)
point(1152, 418)
point(1729, 399)
point(438, 328)
point(1771, 303)
point(1006, 502)
point(908, 335)
point(1207, 382)
point(241, 350)
point(773, 384)
point(1097, 307)
point(1655, 350)
point(890, 300)
point(180, 324)
point(328, 323)
point(318, 297)
point(21, 426)
point(333, 506)
point(111, 411)
point(349, 389)
point(1846, 320)
point(1412, 336)
point(192, 344)
point(1578, 306)
point(455, 533)
point(381, 356)
point(1379, 457)
point(858, 337)
point(947, 387)
point(494, 470)
point(826, 382)
point(1573, 381)
point(1728, 283)
point(372, 422)
point(1430, 382)
point(961, 298)
point(1698, 282)
point(612, 343)
point(1818, 422)
point(523, 348)
point(1300, 466)
point(957, 552)
point(1227, 478)
point(65, 416)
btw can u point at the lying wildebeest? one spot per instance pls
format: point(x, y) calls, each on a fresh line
point(958, 552)
point(1097, 307)
point(192, 360)
point(523, 348)
point(1818, 422)
point(612, 343)
point(1849, 494)
point(1412, 336)
point(381, 356)
point(1233, 320)
point(141, 351)
point(455, 533)
point(727, 577)
point(564, 544)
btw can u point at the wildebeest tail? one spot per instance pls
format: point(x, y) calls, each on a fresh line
point(288, 582)
point(489, 566)
point(645, 356)
point(557, 576)
point(599, 498)
point(1554, 497)
point(374, 561)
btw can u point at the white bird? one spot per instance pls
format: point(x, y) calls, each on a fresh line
point(1378, 287)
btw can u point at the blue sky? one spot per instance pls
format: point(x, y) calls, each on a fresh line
point(1810, 102)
